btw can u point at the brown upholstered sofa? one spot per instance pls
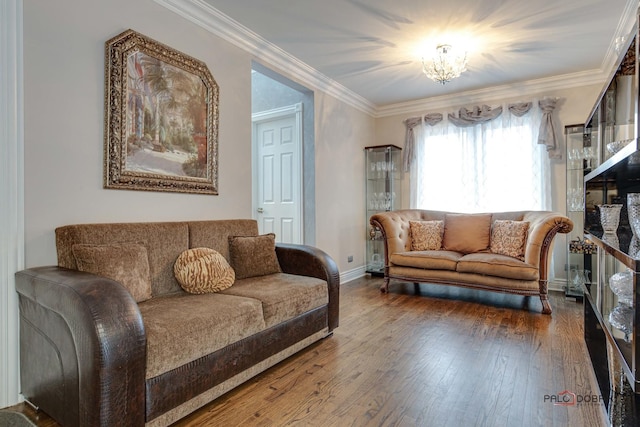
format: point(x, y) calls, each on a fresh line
point(93, 356)
point(481, 269)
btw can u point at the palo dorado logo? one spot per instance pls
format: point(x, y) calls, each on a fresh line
point(569, 398)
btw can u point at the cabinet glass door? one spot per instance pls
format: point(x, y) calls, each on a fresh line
point(615, 301)
point(581, 251)
point(383, 193)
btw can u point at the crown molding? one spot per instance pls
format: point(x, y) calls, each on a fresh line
point(622, 34)
point(495, 93)
point(219, 24)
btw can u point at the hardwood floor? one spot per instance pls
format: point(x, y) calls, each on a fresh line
point(426, 356)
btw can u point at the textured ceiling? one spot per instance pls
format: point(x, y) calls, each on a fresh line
point(374, 47)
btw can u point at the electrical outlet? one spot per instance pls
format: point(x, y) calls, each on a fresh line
point(350, 258)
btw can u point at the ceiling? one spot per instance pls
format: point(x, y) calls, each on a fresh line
point(373, 47)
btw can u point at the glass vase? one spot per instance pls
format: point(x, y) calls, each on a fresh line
point(579, 278)
point(610, 217)
point(621, 318)
point(633, 209)
point(622, 286)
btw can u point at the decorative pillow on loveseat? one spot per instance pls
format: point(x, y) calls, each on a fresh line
point(126, 263)
point(203, 271)
point(467, 233)
point(252, 256)
point(509, 238)
point(426, 235)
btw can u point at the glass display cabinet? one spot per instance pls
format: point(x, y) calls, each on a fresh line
point(580, 250)
point(610, 321)
point(383, 193)
point(612, 222)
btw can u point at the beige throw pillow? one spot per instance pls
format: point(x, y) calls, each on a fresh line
point(467, 233)
point(202, 271)
point(252, 256)
point(426, 235)
point(509, 238)
point(126, 263)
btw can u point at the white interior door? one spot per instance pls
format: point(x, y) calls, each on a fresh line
point(277, 172)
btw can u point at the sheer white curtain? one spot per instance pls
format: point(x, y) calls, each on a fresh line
point(494, 166)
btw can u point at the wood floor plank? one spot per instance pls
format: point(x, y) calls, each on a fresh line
point(423, 356)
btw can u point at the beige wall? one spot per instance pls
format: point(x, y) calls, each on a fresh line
point(64, 84)
point(574, 108)
point(341, 135)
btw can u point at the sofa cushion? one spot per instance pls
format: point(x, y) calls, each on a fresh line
point(283, 296)
point(182, 327)
point(126, 263)
point(252, 256)
point(435, 260)
point(509, 238)
point(467, 233)
point(164, 241)
point(215, 234)
point(426, 235)
point(203, 270)
point(497, 265)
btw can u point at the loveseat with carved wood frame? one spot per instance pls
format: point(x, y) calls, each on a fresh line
point(483, 270)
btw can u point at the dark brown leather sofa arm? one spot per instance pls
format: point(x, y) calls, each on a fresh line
point(90, 340)
point(313, 262)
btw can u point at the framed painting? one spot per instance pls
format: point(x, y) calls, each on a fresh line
point(161, 118)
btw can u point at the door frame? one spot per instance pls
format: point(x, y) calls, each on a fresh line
point(263, 116)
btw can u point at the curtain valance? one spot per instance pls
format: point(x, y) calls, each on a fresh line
point(468, 117)
point(477, 115)
point(520, 109)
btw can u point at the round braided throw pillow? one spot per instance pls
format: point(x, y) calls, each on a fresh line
point(202, 271)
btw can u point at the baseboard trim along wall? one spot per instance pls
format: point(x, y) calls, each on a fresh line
point(354, 274)
point(557, 285)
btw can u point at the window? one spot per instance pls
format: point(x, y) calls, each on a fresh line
point(490, 167)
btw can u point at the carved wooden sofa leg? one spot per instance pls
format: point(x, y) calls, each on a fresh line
point(385, 286)
point(544, 297)
point(546, 307)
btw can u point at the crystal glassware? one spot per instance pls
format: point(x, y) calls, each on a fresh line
point(579, 278)
point(621, 318)
point(610, 217)
point(634, 247)
point(611, 239)
point(622, 285)
point(589, 156)
point(633, 210)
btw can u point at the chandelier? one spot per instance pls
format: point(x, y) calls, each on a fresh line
point(447, 64)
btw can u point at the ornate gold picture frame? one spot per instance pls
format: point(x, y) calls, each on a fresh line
point(161, 118)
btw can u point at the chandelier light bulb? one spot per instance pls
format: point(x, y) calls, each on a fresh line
point(446, 65)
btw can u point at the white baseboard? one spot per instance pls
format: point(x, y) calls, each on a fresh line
point(557, 285)
point(354, 274)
